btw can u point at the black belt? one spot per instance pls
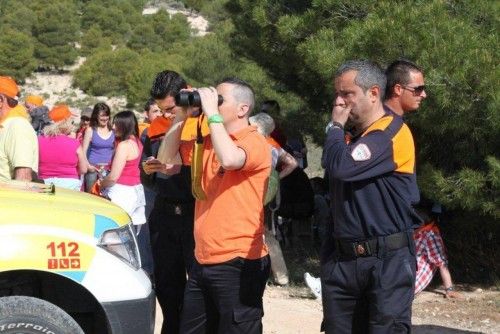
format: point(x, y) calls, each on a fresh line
point(370, 247)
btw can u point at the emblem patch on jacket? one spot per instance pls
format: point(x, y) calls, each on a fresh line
point(361, 153)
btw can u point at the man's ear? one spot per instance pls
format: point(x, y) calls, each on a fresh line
point(374, 93)
point(397, 90)
point(243, 110)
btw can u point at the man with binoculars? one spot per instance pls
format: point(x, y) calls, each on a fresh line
point(231, 167)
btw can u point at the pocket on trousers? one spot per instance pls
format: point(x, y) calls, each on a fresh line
point(241, 315)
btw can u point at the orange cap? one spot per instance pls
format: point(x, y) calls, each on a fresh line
point(8, 87)
point(34, 100)
point(59, 113)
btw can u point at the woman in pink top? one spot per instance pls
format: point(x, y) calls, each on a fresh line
point(61, 159)
point(123, 185)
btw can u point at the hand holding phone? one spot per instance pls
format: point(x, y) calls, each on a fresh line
point(151, 165)
point(152, 161)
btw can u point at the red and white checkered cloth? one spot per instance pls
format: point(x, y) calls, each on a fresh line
point(430, 253)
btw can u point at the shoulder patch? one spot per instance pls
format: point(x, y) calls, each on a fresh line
point(361, 153)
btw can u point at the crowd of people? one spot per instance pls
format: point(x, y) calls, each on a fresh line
point(207, 186)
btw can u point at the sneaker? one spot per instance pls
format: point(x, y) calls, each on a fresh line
point(314, 283)
point(452, 294)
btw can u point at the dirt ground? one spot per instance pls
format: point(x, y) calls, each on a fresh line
point(293, 311)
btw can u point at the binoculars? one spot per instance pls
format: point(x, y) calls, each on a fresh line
point(191, 99)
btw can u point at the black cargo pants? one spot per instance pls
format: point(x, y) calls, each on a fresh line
point(172, 243)
point(368, 294)
point(225, 298)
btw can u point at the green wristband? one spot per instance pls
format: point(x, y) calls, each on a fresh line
point(216, 118)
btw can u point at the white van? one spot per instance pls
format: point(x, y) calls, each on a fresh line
point(69, 263)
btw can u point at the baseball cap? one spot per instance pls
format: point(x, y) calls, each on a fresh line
point(34, 100)
point(59, 113)
point(8, 87)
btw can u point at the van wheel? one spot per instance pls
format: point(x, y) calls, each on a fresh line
point(28, 315)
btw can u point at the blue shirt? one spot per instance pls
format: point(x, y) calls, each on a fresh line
point(372, 180)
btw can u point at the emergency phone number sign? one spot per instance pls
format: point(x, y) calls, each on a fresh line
point(64, 255)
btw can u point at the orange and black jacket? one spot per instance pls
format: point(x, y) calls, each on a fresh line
point(372, 180)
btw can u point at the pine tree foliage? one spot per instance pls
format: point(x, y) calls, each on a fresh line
point(114, 17)
point(16, 58)
point(140, 78)
point(56, 31)
point(301, 43)
point(19, 18)
point(105, 73)
point(159, 32)
point(93, 41)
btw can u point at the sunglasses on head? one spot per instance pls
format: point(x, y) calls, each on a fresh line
point(415, 90)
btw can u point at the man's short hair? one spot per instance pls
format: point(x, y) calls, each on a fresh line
point(264, 122)
point(369, 74)
point(398, 72)
point(167, 83)
point(242, 93)
point(149, 103)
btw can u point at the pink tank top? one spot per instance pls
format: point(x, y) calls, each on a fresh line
point(130, 175)
point(57, 157)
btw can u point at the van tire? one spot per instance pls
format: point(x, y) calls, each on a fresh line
point(20, 314)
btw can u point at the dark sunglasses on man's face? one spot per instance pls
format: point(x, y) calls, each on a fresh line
point(417, 91)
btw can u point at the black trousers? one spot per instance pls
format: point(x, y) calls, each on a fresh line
point(172, 244)
point(368, 294)
point(225, 298)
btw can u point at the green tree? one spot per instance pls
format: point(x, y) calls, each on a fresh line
point(178, 29)
point(56, 31)
point(144, 38)
point(212, 10)
point(114, 17)
point(170, 29)
point(210, 59)
point(301, 43)
point(105, 72)
point(20, 18)
point(16, 58)
point(195, 4)
point(93, 40)
point(140, 78)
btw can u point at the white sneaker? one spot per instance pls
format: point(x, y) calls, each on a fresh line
point(314, 283)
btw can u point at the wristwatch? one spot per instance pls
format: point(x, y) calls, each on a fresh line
point(332, 125)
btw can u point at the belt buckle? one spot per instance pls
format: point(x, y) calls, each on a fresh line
point(362, 249)
point(178, 210)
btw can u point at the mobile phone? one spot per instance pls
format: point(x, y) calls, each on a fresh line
point(152, 161)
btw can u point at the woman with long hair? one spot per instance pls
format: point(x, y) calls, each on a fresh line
point(61, 158)
point(98, 143)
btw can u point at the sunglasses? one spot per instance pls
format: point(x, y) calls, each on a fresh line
point(415, 90)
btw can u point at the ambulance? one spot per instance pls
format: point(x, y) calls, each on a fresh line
point(69, 264)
